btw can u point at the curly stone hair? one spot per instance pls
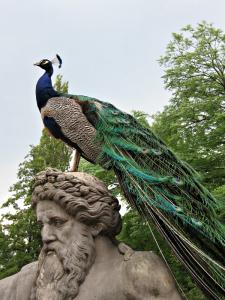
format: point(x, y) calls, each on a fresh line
point(82, 196)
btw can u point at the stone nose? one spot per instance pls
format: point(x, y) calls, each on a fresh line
point(47, 234)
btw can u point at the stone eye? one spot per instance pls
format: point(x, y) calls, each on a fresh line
point(57, 222)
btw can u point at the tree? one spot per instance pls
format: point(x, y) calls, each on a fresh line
point(193, 124)
point(19, 232)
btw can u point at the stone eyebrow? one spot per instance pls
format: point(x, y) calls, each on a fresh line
point(53, 217)
point(57, 218)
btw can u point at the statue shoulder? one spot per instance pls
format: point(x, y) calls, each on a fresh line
point(8, 287)
point(26, 278)
point(147, 276)
point(29, 269)
point(18, 286)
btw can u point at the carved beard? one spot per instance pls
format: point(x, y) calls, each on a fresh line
point(60, 272)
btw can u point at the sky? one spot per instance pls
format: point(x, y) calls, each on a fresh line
point(110, 51)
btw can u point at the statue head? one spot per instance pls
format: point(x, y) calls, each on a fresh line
point(72, 209)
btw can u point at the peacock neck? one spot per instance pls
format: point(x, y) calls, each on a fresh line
point(44, 89)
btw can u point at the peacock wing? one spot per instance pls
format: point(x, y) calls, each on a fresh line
point(65, 120)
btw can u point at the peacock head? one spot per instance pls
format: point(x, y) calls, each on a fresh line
point(46, 64)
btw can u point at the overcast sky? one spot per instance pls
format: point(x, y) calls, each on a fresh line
point(109, 49)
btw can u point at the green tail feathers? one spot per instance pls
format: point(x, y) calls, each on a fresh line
point(166, 190)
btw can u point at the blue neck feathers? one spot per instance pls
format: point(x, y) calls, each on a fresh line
point(44, 89)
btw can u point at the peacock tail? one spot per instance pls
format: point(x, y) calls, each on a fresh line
point(163, 189)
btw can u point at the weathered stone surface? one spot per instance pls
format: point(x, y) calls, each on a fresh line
point(80, 258)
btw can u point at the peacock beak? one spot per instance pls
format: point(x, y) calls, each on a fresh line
point(37, 64)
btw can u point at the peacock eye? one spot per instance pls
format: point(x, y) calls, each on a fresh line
point(44, 62)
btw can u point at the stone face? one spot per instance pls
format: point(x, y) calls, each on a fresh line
point(80, 258)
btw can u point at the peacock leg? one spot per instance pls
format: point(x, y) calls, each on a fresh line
point(74, 164)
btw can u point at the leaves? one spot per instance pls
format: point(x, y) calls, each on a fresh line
point(193, 124)
point(194, 62)
point(19, 233)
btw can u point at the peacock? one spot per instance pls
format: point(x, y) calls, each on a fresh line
point(155, 182)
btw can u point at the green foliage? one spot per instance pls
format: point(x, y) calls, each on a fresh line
point(19, 233)
point(193, 124)
point(60, 85)
point(141, 117)
point(21, 243)
point(194, 62)
point(108, 177)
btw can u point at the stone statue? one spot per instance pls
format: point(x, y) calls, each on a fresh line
point(81, 258)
